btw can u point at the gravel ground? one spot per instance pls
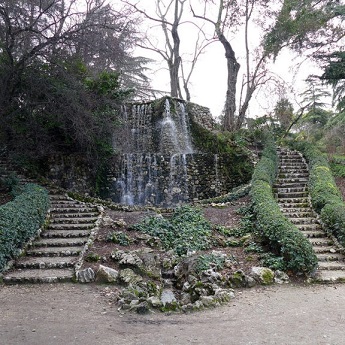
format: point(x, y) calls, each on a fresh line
point(81, 315)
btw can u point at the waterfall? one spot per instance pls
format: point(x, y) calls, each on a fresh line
point(186, 138)
point(169, 141)
point(126, 181)
point(155, 170)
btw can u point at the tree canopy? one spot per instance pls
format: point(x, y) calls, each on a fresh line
point(65, 67)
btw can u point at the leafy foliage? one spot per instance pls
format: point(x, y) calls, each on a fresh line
point(20, 220)
point(284, 112)
point(186, 230)
point(206, 261)
point(334, 74)
point(281, 235)
point(337, 164)
point(120, 238)
point(238, 166)
point(301, 24)
point(59, 72)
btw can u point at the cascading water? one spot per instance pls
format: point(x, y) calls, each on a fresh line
point(161, 176)
point(155, 163)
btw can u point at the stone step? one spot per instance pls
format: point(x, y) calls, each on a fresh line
point(58, 196)
point(55, 251)
point(320, 242)
point(331, 265)
point(290, 180)
point(70, 226)
point(31, 276)
point(325, 249)
point(330, 276)
point(296, 189)
point(314, 234)
point(301, 213)
point(66, 215)
point(60, 242)
point(306, 220)
point(293, 169)
point(73, 208)
point(289, 153)
point(303, 184)
point(298, 161)
point(284, 201)
point(330, 257)
point(310, 227)
point(46, 262)
point(296, 205)
point(65, 233)
point(73, 220)
point(293, 175)
point(298, 211)
point(293, 195)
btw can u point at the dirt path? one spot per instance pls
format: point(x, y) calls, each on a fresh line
point(80, 314)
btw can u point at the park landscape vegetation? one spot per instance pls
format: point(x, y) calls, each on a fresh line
point(67, 70)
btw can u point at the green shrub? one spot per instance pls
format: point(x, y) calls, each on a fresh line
point(337, 164)
point(282, 236)
point(120, 238)
point(325, 196)
point(186, 230)
point(20, 220)
point(206, 261)
point(338, 169)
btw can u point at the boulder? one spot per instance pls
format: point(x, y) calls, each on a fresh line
point(107, 221)
point(168, 297)
point(85, 276)
point(150, 263)
point(262, 275)
point(281, 277)
point(120, 223)
point(155, 302)
point(130, 259)
point(237, 279)
point(127, 276)
point(106, 275)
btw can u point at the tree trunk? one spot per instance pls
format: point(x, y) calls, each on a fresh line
point(176, 59)
point(233, 67)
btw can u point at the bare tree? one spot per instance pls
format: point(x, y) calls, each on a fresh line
point(169, 17)
point(171, 51)
point(228, 13)
point(254, 76)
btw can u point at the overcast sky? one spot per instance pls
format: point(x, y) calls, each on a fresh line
point(208, 82)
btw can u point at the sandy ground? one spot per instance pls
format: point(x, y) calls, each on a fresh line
point(80, 314)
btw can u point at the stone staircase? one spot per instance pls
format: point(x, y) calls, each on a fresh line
point(54, 255)
point(291, 190)
point(58, 251)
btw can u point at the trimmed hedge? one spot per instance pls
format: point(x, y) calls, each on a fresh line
point(20, 220)
point(282, 236)
point(325, 195)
